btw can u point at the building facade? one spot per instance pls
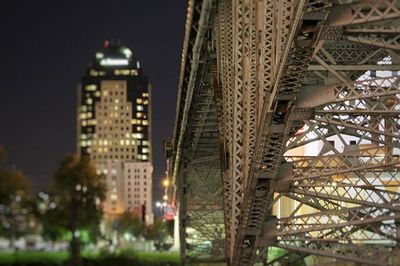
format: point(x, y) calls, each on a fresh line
point(114, 129)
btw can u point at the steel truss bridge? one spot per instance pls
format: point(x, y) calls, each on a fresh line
point(286, 142)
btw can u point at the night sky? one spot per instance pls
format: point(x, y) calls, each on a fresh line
point(45, 48)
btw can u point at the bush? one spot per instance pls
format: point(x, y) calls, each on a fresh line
point(59, 259)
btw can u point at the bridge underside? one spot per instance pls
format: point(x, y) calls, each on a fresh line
point(286, 144)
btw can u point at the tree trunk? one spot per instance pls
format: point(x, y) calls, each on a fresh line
point(74, 247)
point(75, 252)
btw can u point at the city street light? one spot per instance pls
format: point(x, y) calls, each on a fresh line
point(161, 206)
point(166, 183)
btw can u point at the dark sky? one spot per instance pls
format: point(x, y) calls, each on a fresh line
point(45, 47)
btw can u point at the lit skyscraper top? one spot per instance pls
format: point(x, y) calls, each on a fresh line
point(116, 62)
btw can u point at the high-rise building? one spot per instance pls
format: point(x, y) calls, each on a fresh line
point(114, 129)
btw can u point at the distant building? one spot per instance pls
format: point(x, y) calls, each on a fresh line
point(114, 129)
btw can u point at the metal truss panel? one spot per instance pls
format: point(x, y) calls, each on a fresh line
point(300, 101)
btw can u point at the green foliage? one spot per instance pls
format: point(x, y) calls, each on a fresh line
point(128, 223)
point(15, 190)
point(77, 192)
point(76, 195)
point(13, 183)
point(157, 231)
point(35, 258)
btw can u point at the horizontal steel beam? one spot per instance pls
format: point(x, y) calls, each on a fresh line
point(355, 67)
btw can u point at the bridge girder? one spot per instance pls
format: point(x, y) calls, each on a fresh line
point(297, 104)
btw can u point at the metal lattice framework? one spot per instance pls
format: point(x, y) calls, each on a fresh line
point(286, 141)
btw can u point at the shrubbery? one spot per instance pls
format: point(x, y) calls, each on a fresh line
point(59, 259)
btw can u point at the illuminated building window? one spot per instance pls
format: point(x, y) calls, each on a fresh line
point(121, 72)
point(139, 107)
point(90, 87)
point(93, 73)
point(89, 101)
point(139, 115)
point(145, 122)
point(139, 101)
point(114, 62)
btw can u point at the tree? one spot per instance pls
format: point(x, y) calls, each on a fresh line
point(77, 194)
point(14, 198)
point(129, 224)
point(157, 231)
point(13, 182)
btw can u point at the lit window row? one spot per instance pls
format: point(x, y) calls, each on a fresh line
point(116, 149)
point(90, 87)
point(139, 122)
point(114, 157)
point(109, 143)
point(95, 73)
point(125, 72)
point(142, 157)
point(86, 115)
point(91, 122)
point(85, 143)
point(111, 93)
point(138, 135)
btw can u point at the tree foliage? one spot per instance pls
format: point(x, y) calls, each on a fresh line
point(157, 231)
point(15, 190)
point(13, 182)
point(130, 224)
point(77, 193)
